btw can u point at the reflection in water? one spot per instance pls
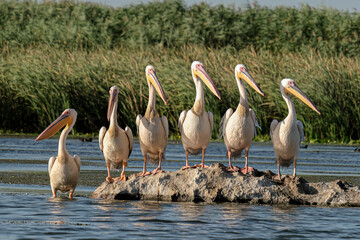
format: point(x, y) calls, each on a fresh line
point(36, 216)
point(193, 212)
point(233, 214)
point(285, 215)
point(57, 209)
point(109, 205)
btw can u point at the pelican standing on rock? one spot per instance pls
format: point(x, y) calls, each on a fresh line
point(288, 134)
point(63, 170)
point(196, 125)
point(115, 143)
point(153, 131)
point(238, 128)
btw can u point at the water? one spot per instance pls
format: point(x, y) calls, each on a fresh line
point(28, 212)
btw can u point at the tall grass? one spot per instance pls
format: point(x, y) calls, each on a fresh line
point(38, 82)
point(69, 25)
point(56, 55)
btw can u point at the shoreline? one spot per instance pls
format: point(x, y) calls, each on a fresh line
point(95, 178)
point(88, 137)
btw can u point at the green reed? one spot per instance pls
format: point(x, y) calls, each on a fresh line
point(39, 82)
point(69, 25)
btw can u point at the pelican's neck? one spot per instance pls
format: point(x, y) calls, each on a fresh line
point(152, 101)
point(62, 152)
point(243, 97)
point(113, 117)
point(199, 105)
point(291, 117)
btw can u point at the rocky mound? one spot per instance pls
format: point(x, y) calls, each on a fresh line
point(215, 184)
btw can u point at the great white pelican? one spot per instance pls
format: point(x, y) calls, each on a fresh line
point(153, 131)
point(115, 143)
point(288, 134)
point(196, 125)
point(63, 170)
point(238, 128)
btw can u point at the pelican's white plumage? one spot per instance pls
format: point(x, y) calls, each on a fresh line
point(115, 143)
point(195, 125)
point(63, 170)
point(288, 134)
point(238, 128)
point(153, 131)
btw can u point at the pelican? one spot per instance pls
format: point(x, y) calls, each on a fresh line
point(195, 125)
point(63, 170)
point(153, 131)
point(115, 143)
point(288, 134)
point(238, 129)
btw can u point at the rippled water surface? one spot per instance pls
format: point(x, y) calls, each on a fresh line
point(28, 212)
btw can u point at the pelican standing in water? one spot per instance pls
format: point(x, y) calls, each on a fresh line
point(238, 128)
point(153, 131)
point(115, 143)
point(195, 125)
point(288, 134)
point(63, 170)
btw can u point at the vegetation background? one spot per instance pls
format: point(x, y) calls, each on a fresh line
point(57, 55)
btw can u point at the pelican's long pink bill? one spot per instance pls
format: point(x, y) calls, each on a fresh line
point(152, 78)
point(55, 126)
point(293, 89)
point(201, 72)
point(112, 99)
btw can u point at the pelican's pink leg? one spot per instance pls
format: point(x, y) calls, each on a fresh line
point(294, 175)
point(246, 169)
point(202, 165)
point(53, 192)
point(231, 168)
point(144, 172)
point(187, 160)
point(122, 177)
point(71, 193)
point(278, 177)
point(109, 179)
point(158, 169)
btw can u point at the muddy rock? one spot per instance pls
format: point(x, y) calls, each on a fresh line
point(215, 184)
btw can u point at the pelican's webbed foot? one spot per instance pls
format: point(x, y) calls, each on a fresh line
point(143, 174)
point(122, 178)
point(109, 179)
point(232, 169)
point(186, 167)
point(279, 178)
point(247, 170)
point(201, 165)
point(157, 170)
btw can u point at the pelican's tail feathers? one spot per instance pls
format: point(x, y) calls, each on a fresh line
point(117, 165)
point(285, 162)
point(154, 158)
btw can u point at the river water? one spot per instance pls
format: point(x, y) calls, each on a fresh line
point(28, 212)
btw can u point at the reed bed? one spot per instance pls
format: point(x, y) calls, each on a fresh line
point(58, 55)
point(38, 83)
point(67, 24)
